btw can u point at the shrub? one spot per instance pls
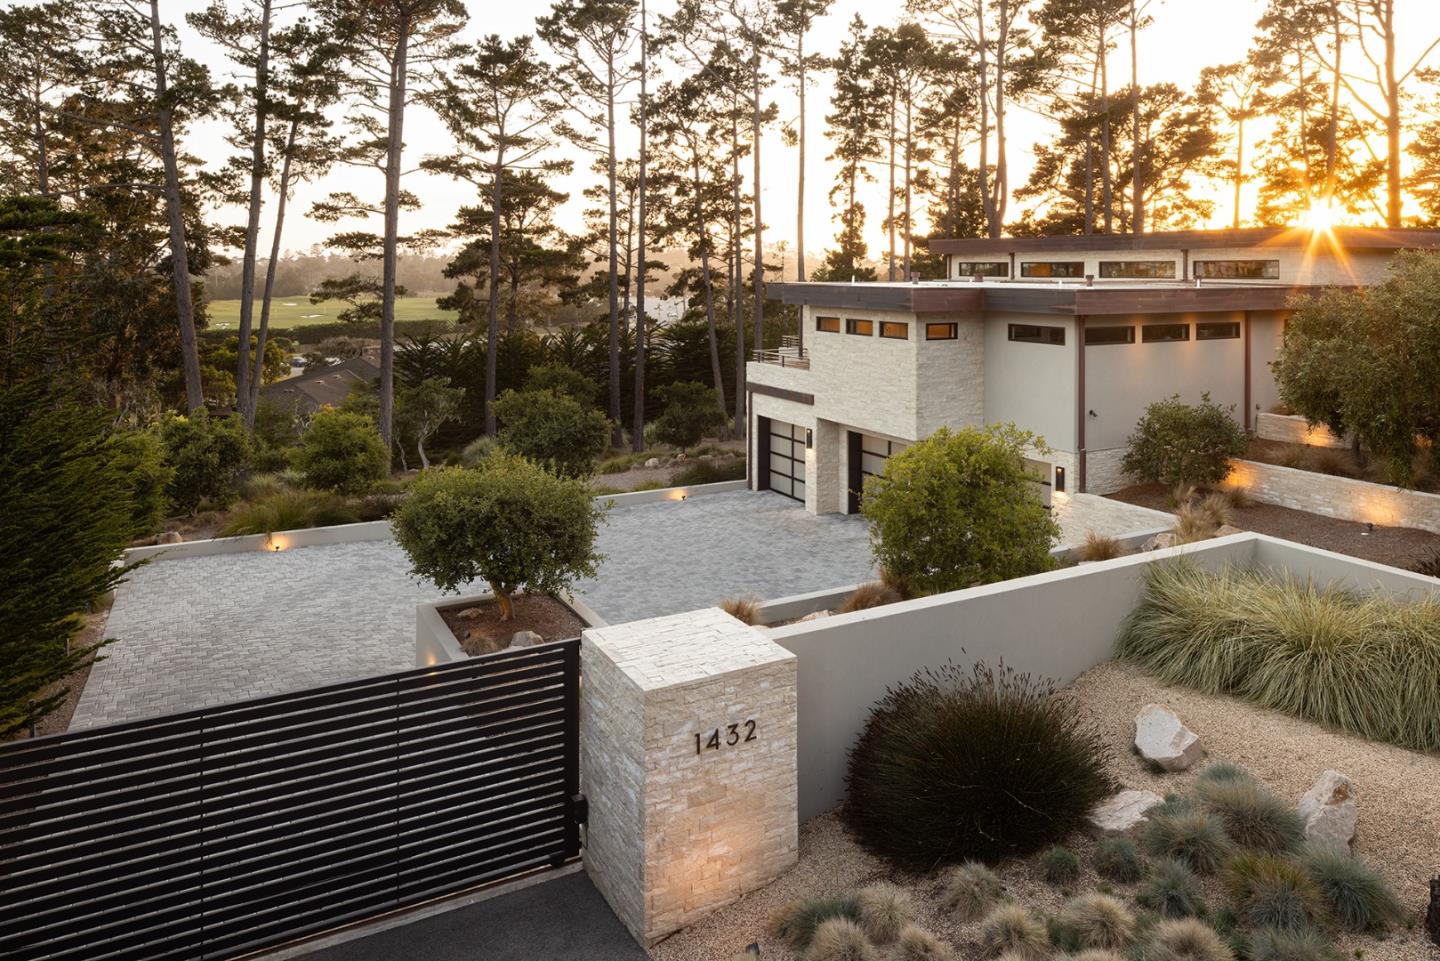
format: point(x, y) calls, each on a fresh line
point(1196, 837)
point(959, 509)
point(796, 922)
point(477, 450)
point(1358, 898)
point(207, 454)
point(707, 471)
point(896, 583)
point(884, 910)
point(620, 463)
point(1366, 663)
point(871, 594)
point(140, 456)
point(1060, 865)
point(1185, 939)
point(341, 451)
point(1099, 547)
point(1172, 889)
point(1193, 524)
point(746, 610)
point(1097, 921)
point(288, 511)
point(563, 380)
point(690, 411)
point(507, 522)
point(1175, 442)
point(1273, 893)
point(1222, 772)
point(1253, 817)
point(1010, 929)
point(650, 485)
point(1268, 944)
point(552, 430)
point(971, 890)
point(917, 944)
point(980, 765)
point(1217, 506)
point(840, 939)
point(1238, 498)
point(1118, 859)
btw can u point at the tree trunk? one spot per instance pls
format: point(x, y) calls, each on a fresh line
point(759, 274)
point(503, 601)
point(492, 327)
point(987, 200)
point(396, 144)
point(909, 147)
point(617, 437)
point(737, 292)
point(1002, 165)
point(1332, 134)
point(420, 449)
point(252, 222)
point(257, 380)
point(1137, 185)
point(800, 174)
point(1393, 181)
point(1107, 187)
point(890, 194)
point(175, 214)
point(637, 431)
point(1239, 169)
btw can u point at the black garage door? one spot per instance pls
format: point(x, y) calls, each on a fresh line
point(867, 457)
point(787, 459)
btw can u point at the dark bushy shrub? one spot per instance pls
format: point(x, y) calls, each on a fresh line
point(563, 380)
point(207, 454)
point(342, 451)
point(552, 430)
point(1178, 443)
point(955, 765)
point(707, 471)
point(141, 457)
point(691, 410)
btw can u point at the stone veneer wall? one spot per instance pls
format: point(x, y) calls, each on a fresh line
point(1102, 471)
point(1293, 429)
point(1342, 497)
point(675, 830)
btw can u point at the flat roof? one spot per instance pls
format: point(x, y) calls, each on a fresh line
point(1347, 238)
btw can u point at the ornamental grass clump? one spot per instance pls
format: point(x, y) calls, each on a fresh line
point(796, 922)
point(1172, 889)
point(1096, 921)
point(1253, 817)
point(868, 595)
point(1366, 663)
point(1358, 898)
point(1012, 930)
point(1223, 772)
point(1119, 860)
point(1060, 865)
point(840, 939)
point(1196, 837)
point(917, 944)
point(980, 764)
point(883, 910)
point(1268, 944)
point(1185, 939)
point(1270, 892)
point(971, 890)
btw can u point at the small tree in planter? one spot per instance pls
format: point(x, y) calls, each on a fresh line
point(690, 411)
point(552, 429)
point(507, 522)
point(1179, 443)
point(959, 509)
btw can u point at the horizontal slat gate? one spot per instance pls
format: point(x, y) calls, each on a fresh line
point(217, 832)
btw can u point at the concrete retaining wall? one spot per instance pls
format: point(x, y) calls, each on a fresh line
point(1342, 497)
point(1293, 429)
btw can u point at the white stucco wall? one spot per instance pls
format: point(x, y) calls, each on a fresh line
point(1031, 385)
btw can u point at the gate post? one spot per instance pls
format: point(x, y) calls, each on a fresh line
point(688, 762)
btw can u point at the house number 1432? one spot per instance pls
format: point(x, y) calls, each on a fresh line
point(728, 736)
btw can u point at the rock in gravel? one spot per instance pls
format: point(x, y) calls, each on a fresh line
point(1329, 811)
point(653, 462)
point(169, 537)
point(813, 616)
point(1163, 739)
point(1121, 814)
point(1159, 542)
point(1225, 530)
point(469, 614)
point(526, 639)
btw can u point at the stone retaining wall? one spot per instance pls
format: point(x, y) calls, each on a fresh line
point(1341, 497)
point(1293, 429)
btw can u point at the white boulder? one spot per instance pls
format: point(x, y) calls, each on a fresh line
point(1121, 814)
point(1163, 739)
point(813, 616)
point(653, 462)
point(526, 639)
point(1159, 542)
point(1329, 811)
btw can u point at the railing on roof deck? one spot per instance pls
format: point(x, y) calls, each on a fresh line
point(795, 357)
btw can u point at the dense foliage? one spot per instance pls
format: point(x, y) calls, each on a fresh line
point(1179, 443)
point(207, 455)
point(955, 765)
point(140, 455)
point(506, 522)
point(553, 430)
point(1366, 663)
point(340, 451)
point(959, 509)
point(691, 410)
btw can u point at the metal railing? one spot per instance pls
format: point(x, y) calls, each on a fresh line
point(796, 357)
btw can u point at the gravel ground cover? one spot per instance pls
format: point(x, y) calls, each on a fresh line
point(1398, 793)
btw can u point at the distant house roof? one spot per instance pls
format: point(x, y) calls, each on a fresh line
point(322, 386)
point(1347, 238)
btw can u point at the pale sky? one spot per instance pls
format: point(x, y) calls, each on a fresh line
point(1186, 35)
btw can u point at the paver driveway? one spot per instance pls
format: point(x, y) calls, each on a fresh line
point(209, 630)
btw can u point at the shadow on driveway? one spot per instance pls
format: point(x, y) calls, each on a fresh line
point(561, 920)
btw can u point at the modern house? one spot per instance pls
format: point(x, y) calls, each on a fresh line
point(1068, 337)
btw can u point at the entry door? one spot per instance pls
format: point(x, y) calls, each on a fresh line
point(787, 459)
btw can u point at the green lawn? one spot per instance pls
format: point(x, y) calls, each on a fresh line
point(288, 312)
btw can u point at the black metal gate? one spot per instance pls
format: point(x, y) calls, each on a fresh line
point(213, 833)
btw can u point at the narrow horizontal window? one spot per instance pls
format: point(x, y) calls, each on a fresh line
point(1052, 268)
point(1238, 269)
point(894, 330)
point(982, 268)
point(865, 328)
point(830, 325)
point(1164, 333)
point(942, 331)
point(1109, 334)
point(1138, 269)
point(1037, 334)
point(1217, 330)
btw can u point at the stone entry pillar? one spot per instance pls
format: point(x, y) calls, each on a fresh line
point(688, 761)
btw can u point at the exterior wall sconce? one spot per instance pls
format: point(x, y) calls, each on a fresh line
point(1093, 414)
point(1059, 478)
point(809, 439)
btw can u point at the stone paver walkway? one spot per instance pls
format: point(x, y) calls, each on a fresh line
point(209, 630)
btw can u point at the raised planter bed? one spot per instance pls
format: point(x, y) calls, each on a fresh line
point(436, 643)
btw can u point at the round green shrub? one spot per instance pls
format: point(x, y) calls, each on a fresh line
point(840, 939)
point(341, 451)
point(1179, 443)
point(1185, 939)
point(1253, 817)
point(796, 922)
point(1269, 944)
point(917, 944)
point(563, 380)
point(1172, 889)
point(1012, 930)
point(206, 455)
point(690, 411)
point(971, 890)
point(508, 523)
point(958, 509)
point(1060, 865)
point(884, 910)
point(1358, 898)
point(552, 430)
point(980, 765)
point(1270, 892)
point(1097, 921)
point(1119, 860)
point(1196, 837)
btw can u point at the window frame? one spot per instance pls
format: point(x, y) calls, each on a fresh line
point(1047, 339)
point(1146, 338)
point(1003, 271)
point(953, 330)
point(1230, 325)
point(1269, 269)
point(904, 330)
point(1077, 265)
point(821, 324)
point(1090, 331)
point(1112, 274)
point(853, 324)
